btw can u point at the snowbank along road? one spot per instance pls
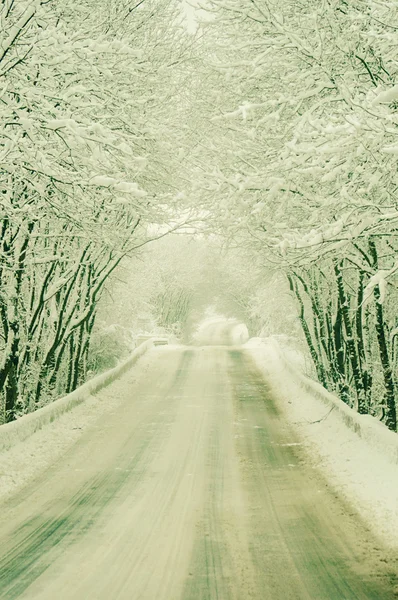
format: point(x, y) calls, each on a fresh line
point(194, 489)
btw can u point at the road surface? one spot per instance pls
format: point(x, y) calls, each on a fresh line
point(194, 489)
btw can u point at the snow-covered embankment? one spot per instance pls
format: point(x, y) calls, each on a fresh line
point(358, 454)
point(18, 431)
point(35, 442)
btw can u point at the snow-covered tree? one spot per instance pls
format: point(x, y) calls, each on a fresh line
point(85, 169)
point(305, 116)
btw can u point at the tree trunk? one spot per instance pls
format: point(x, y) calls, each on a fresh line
point(10, 378)
point(338, 339)
point(350, 341)
point(307, 334)
point(366, 374)
point(391, 410)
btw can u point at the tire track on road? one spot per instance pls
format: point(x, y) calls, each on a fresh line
point(220, 565)
point(197, 494)
point(154, 562)
point(40, 541)
point(304, 544)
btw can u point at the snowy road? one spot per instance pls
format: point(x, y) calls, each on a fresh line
point(194, 489)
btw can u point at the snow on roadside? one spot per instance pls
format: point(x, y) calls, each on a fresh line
point(239, 334)
point(365, 476)
point(218, 329)
point(28, 459)
point(208, 326)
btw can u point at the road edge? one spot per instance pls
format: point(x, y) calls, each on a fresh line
point(21, 429)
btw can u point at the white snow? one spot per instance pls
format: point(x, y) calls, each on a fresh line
point(214, 327)
point(387, 96)
point(379, 279)
point(30, 457)
point(239, 334)
point(364, 469)
point(122, 186)
point(390, 149)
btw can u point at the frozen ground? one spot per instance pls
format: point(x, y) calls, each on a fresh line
point(29, 458)
point(366, 477)
point(184, 480)
point(190, 486)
